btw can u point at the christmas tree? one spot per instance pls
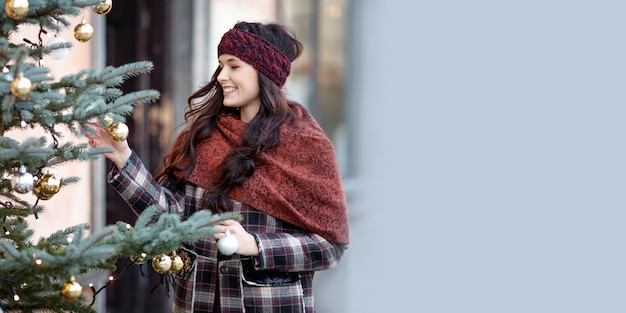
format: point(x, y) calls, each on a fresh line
point(40, 276)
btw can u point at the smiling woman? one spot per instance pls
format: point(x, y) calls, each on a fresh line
point(247, 149)
point(240, 86)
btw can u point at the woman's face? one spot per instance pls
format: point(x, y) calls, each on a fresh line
point(240, 84)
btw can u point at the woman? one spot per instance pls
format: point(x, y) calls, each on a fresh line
point(247, 149)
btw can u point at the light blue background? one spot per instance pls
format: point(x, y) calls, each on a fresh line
point(491, 139)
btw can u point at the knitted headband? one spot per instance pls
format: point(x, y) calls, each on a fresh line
point(254, 50)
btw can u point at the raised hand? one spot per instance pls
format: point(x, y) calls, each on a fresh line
point(101, 139)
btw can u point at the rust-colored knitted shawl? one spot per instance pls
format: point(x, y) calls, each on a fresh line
point(297, 181)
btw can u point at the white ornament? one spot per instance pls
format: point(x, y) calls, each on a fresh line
point(7, 74)
point(23, 182)
point(60, 53)
point(227, 244)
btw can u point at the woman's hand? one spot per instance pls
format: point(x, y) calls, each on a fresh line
point(246, 243)
point(101, 139)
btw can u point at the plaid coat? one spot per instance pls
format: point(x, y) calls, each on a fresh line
point(278, 280)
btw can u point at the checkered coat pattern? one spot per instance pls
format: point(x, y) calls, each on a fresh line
point(216, 283)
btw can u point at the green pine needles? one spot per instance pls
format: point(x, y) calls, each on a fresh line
point(32, 275)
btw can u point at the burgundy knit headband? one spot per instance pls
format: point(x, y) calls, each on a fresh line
point(262, 55)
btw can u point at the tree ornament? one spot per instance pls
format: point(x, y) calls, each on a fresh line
point(107, 121)
point(138, 259)
point(103, 7)
point(23, 181)
point(227, 244)
point(20, 86)
point(16, 9)
point(47, 186)
point(118, 131)
point(177, 262)
point(72, 290)
point(83, 31)
point(7, 74)
point(59, 53)
point(161, 263)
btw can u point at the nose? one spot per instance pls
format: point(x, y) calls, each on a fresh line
point(223, 75)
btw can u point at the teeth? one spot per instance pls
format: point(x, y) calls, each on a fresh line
point(229, 89)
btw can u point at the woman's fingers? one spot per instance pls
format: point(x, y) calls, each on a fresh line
point(233, 226)
point(247, 243)
point(98, 138)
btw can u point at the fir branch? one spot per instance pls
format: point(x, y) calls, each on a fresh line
point(52, 98)
point(15, 211)
point(115, 76)
point(77, 80)
point(47, 303)
point(74, 101)
point(112, 93)
point(59, 237)
point(68, 152)
point(126, 103)
point(49, 14)
point(18, 231)
point(158, 232)
point(37, 74)
point(7, 108)
point(12, 257)
point(29, 151)
point(23, 208)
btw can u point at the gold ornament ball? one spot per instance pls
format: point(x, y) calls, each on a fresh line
point(71, 289)
point(21, 86)
point(118, 131)
point(162, 263)
point(47, 186)
point(103, 7)
point(177, 264)
point(83, 31)
point(16, 9)
point(138, 259)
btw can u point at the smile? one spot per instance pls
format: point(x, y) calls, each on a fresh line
point(229, 90)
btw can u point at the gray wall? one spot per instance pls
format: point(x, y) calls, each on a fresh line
point(491, 142)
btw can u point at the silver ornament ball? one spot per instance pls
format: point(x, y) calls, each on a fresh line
point(59, 53)
point(23, 181)
point(228, 244)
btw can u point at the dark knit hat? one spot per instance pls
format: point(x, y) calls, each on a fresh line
point(254, 50)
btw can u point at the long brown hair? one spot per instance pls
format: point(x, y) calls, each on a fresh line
point(204, 108)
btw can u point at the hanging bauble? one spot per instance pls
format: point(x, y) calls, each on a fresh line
point(59, 53)
point(23, 181)
point(103, 7)
point(107, 121)
point(7, 76)
point(20, 86)
point(16, 9)
point(83, 31)
point(47, 186)
point(72, 290)
point(177, 263)
point(118, 131)
point(138, 259)
point(162, 263)
point(227, 244)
